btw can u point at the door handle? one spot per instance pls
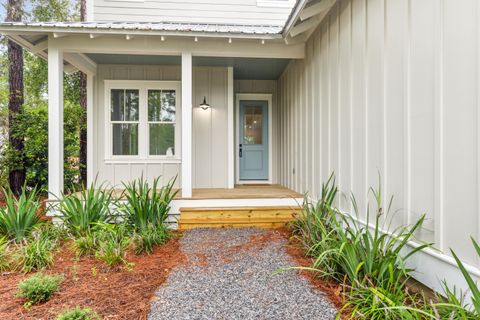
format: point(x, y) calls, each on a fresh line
point(240, 151)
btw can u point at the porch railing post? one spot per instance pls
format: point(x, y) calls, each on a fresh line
point(90, 127)
point(186, 173)
point(55, 122)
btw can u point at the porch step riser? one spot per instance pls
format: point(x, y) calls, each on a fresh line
point(236, 217)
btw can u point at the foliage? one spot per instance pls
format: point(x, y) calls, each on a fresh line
point(368, 260)
point(4, 254)
point(33, 125)
point(20, 215)
point(38, 288)
point(113, 241)
point(147, 205)
point(83, 210)
point(145, 240)
point(78, 313)
point(86, 245)
point(37, 253)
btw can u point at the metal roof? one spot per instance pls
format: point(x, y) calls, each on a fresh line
point(145, 27)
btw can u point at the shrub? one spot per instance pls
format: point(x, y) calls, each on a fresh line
point(81, 211)
point(147, 205)
point(86, 245)
point(78, 313)
point(113, 241)
point(20, 215)
point(4, 254)
point(36, 254)
point(38, 288)
point(146, 239)
point(368, 260)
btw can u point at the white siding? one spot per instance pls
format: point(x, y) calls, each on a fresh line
point(209, 127)
point(192, 11)
point(269, 87)
point(391, 88)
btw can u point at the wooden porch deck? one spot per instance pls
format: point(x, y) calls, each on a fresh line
point(239, 192)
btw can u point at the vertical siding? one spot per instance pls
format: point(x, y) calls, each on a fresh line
point(209, 156)
point(390, 89)
point(269, 87)
point(191, 11)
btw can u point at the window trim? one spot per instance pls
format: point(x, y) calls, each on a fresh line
point(143, 123)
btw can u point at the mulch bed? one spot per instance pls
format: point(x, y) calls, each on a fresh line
point(114, 294)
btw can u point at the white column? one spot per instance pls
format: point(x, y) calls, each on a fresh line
point(55, 122)
point(90, 141)
point(230, 133)
point(186, 179)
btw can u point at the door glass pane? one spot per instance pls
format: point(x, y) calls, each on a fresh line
point(161, 105)
point(125, 139)
point(162, 139)
point(252, 125)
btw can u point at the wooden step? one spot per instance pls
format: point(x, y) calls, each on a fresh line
point(236, 217)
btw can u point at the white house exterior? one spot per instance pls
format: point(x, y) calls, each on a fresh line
point(362, 88)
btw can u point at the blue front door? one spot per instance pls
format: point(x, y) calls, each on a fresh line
point(253, 140)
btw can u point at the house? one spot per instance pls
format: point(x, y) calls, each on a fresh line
point(280, 93)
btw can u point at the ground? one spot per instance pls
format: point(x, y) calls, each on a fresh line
point(202, 274)
point(238, 274)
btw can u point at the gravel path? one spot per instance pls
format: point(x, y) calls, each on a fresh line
point(230, 275)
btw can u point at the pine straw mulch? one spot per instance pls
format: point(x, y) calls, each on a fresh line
point(122, 293)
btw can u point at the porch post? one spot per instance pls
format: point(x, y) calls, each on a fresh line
point(186, 179)
point(90, 142)
point(230, 133)
point(55, 122)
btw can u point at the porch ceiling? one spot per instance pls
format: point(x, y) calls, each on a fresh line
point(244, 68)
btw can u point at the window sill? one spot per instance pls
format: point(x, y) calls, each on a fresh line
point(142, 161)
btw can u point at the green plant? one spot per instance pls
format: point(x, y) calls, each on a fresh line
point(146, 239)
point(147, 205)
point(369, 261)
point(113, 240)
point(78, 313)
point(20, 215)
point(36, 254)
point(38, 288)
point(86, 245)
point(82, 210)
point(4, 254)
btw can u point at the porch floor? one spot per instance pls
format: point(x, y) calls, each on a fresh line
point(274, 191)
point(243, 192)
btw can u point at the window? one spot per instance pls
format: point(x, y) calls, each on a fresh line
point(143, 120)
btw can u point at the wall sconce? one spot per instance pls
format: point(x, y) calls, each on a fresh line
point(204, 105)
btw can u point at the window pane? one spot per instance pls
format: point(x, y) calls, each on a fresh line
point(131, 105)
point(162, 138)
point(125, 139)
point(252, 125)
point(161, 105)
point(117, 104)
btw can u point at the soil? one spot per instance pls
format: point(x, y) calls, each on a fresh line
point(124, 293)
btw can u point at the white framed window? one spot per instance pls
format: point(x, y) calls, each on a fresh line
point(143, 120)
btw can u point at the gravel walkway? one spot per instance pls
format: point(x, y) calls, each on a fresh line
point(230, 275)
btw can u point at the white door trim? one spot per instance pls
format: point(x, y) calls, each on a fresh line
point(253, 96)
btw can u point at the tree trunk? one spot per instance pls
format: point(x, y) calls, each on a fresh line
point(16, 176)
point(83, 104)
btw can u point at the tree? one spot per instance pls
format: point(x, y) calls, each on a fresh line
point(16, 176)
point(83, 104)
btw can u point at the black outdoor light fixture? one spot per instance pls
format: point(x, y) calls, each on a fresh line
point(204, 105)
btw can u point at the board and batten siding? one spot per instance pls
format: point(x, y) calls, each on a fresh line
point(390, 89)
point(268, 87)
point(192, 11)
point(209, 156)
